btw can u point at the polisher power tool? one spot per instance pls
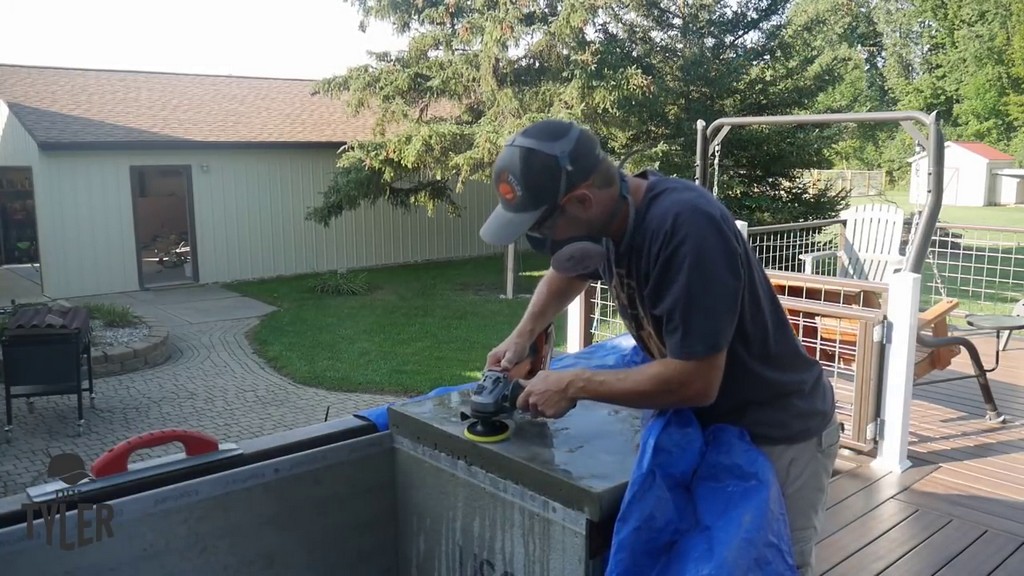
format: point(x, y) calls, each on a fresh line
point(498, 391)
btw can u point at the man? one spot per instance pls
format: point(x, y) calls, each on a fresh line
point(690, 290)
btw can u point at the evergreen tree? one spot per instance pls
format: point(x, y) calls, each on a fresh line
point(639, 73)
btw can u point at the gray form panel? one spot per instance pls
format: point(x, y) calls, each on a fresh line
point(328, 511)
point(420, 499)
point(461, 521)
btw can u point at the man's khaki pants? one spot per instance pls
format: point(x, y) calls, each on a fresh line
point(804, 471)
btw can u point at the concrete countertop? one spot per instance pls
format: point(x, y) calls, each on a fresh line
point(582, 461)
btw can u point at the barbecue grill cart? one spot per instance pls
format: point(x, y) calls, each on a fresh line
point(44, 350)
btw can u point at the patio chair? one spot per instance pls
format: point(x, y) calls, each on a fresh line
point(869, 248)
point(870, 251)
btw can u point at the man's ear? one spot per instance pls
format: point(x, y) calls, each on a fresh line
point(579, 201)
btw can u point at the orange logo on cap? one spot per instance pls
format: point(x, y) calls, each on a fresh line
point(508, 189)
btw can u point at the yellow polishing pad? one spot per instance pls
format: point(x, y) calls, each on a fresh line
point(491, 431)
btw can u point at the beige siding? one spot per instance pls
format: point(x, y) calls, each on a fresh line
point(16, 147)
point(249, 212)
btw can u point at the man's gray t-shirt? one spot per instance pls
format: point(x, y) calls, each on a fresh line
point(688, 286)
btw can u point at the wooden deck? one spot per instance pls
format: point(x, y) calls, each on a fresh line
point(960, 509)
point(879, 523)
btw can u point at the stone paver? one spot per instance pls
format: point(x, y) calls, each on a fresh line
point(213, 382)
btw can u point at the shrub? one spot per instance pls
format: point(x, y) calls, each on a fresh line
point(112, 315)
point(341, 283)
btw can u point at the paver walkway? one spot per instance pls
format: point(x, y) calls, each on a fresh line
point(213, 382)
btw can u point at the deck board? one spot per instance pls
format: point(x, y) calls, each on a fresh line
point(981, 464)
point(938, 551)
point(960, 509)
point(853, 537)
point(983, 556)
point(891, 547)
point(969, 503)
point(1012, 566)
point(852, 482)
point(918, 522)
point(868, 498)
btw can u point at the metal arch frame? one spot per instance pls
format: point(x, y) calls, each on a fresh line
point(934, 143)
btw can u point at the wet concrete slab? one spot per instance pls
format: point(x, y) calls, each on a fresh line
point(582, 461)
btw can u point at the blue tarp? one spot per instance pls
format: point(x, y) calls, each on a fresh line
point(700, 501)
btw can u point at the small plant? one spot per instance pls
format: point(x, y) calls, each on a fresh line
point(341, 283)
point(113, 315)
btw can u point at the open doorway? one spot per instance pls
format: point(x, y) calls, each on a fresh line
point(164, 229)
point(21, 277)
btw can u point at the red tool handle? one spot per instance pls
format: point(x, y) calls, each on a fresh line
point(115, 460)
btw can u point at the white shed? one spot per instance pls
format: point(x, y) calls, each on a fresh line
point(975, 175)
point(1009, 186)
point(103, 174)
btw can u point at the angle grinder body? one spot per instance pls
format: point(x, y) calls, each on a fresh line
point(496, 394)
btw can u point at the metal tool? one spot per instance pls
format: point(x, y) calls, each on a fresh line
point(495, 396)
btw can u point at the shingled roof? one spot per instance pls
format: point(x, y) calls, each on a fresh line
point(64, 109)
point(984, 150)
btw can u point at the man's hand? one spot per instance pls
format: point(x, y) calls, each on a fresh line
point(547, 394)
point(506, 355)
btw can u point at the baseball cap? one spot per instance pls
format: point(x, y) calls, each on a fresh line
point(537, 167)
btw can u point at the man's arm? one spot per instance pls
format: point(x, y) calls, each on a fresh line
point(696, 288)
point(554, 293)
point(661, 384)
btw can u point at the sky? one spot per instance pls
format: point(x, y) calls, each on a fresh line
point(306, 39)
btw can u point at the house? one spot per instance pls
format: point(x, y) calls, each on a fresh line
point(108, 178)
point(976, 174)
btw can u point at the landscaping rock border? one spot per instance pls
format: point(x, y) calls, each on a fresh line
point(150, 351)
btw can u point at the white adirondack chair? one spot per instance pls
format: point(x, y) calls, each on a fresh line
point(870, 245)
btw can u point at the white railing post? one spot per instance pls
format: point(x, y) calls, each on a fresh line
point(898, 383)
point(742, 225)
point(575, 325)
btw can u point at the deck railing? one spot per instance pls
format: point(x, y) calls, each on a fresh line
point(981, 266)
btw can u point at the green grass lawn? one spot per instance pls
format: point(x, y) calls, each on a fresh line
point(985, 269)
point(422, 326)
point(429, 325)
point(1009, 216)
